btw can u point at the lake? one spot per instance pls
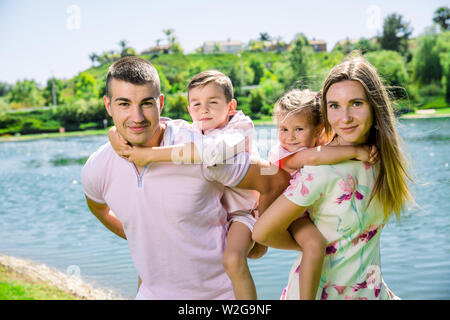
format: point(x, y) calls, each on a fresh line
point(44, 217)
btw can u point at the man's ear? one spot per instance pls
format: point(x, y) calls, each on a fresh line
point(232, 105)
point(107, 105)
point(161, 102)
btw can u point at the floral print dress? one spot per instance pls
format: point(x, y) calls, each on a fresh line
point(337, 198)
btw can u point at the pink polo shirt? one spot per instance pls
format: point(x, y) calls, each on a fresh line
point(172, 217)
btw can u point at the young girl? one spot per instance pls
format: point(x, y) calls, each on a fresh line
point(349, 202)
point(300, 126)
point(224, 133)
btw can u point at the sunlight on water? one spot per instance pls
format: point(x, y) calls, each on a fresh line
point(44, 217)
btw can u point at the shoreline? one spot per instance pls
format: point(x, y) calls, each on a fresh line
point(37, 136)
point(30, 272)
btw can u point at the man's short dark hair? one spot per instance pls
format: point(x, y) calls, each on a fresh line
point(134, 70)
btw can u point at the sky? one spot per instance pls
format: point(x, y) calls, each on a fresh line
point(42, 38)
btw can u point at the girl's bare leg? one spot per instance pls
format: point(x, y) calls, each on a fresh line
point(313, 246)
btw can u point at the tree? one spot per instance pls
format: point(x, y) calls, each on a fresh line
point(258, 70)
point(264, 36)
point(26, 93)
point(176, 48)
point(442, 17)
point(5, 87)
point(391, 66)
point(299, 59)
point(47, 93)
point(443, 47)
point(395, 34)
point(125, 50)
point(365, 45)
point(168, 33)
point(85, 87)
point(426, 63)
point(256, 100)
point(123, 45)
point(176, 106)
point(93, 57)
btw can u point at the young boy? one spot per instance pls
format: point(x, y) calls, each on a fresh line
point(218, 133)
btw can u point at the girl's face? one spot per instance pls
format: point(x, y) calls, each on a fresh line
point(296, 131)
point(348, 112)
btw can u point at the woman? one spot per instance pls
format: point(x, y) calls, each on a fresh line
point(349, 202)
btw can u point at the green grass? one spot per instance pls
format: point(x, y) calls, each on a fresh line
point(443, 111)
point(437, 103)
point(265, 119)
point(54, 135)
point(14, 286)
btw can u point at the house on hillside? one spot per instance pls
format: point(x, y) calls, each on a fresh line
point(157, 49)
point(274, 45)
point(229, 46)
point(318, 45)
point(345, 42)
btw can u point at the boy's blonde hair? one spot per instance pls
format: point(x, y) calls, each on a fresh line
point(213, 76)
point(298, 102)
point(391, 189)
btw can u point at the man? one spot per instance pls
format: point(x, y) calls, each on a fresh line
point(170, 214)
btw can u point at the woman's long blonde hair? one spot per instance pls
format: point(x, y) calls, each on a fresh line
point(391, 188)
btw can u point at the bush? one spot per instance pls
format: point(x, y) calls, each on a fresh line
point(176, 107)
point(71, 116)
point(431, 90)
point(425, 62)
point(391, 66)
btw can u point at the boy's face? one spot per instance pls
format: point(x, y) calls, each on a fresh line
point(209, 108)
point(296, 132)
point(135, 110)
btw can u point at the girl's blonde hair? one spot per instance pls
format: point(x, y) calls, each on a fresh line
point(391, 189)
point(298, 102)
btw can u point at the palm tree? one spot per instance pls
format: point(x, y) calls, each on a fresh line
point(442, 17)
point(168, 33)
point(264, 36)
point(93, 57)
point(123, 47)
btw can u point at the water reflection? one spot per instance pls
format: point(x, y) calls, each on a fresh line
point(69, 161)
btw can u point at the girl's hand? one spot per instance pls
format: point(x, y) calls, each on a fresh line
point(118, 143)
point(373, 157)
point(367, 153)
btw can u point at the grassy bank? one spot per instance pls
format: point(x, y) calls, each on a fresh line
point(53, 135)
point(25, 280)
point(17, 286)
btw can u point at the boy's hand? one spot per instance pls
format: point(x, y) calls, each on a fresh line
point(139, 156)
point(367, 153)
point(118, 143)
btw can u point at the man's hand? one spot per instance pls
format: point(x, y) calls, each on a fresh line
point(106, 216)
